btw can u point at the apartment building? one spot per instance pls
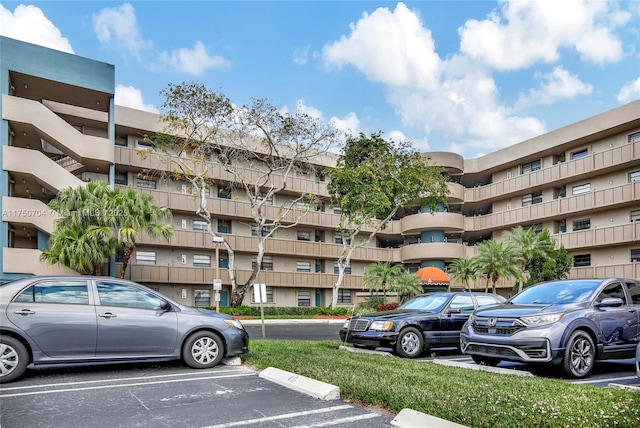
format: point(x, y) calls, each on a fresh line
point(60, 128)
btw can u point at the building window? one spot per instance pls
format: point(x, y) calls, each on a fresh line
point(634, 176)
point(531, 198)
point(302, 205)
point(303, 267)
point(304, 235)
point(262, 195)
point(336, 269)
point(344, 296)
point(269, 291)
point(144, 144)
point(224, 193)
point(583, 188)
point(194, 191)
point(319, 266)
point(120, 178)
point(635, 137)
point(254, 229)
point(530, 166)
point(304, 298)
point(202, 297)
point(121, 142)
point(201, 261)
point(580, 154)
point(337, 210)
point(199, 225)
point(635, 255)
point(145, 184)
point(581, 260)
point(635, 215)
point(267, 262)
point(224, 226)
point(582, 224)
point(146, 257)
point(223, 262)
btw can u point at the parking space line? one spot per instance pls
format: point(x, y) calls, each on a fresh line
point(282, 416)
point(604, 380)
point(87, 388)
point(124, 379)
point(340, 421)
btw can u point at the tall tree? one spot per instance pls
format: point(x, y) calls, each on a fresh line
point(257, 147)
point(530, 244)
point(381, 275)
point(371, 181)
point(462, 270)
point(495, 260)
point(102, 220)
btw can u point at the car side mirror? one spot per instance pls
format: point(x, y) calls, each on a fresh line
point(165, 306)
point(453, 311)
point(610, 302)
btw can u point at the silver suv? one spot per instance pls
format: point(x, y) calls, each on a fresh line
point(568, 323)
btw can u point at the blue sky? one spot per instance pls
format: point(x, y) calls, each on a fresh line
point(464, 76)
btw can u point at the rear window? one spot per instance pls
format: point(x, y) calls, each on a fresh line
point(561, 292)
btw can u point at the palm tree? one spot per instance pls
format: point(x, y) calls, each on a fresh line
point(130, 214)
point(497, 260)
point(79, 248)
point(531, 244)
point(405, 285)
point(462, 270)
point(380, 275)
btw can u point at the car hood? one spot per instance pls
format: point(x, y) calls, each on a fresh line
point(510, 310)
point(395, 314)
point(205, 312)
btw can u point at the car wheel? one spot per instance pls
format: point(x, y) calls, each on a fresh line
point(203, 350)
point(14, 359)
point(579, 355)
point(410, 343)
point(485, 361)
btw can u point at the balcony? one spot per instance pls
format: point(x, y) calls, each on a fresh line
point(27, 261)
point(34, 163)
point(445, 221)
point(431, 251)
point(30, 212)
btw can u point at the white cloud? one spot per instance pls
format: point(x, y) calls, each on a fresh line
point(557, 85)
point(128, 96)
point(301, 55)
point(388, 47)
point(349, 124)
point(524, 32)
point(193, 61)
point(119, 26)
point(28, 24)
point(630, 91)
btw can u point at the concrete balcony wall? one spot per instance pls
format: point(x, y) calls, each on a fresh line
point(452, 162)
point(456, 192)
point(431, 251)
point(27, 261)
point(599, 237)
point(56, 131)
point(37, 164)
point(625, 270)
point(604, 199)
point(558, 174)
point(445, 221)
point(29, 212)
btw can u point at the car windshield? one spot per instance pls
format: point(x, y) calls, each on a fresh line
point(430, 303)
point(561, 292)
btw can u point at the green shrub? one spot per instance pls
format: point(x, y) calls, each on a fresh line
point(288, 311)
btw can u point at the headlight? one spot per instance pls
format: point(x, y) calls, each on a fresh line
point(234, 323)
point(537, 320)
point(472, 318)
point(346, 324)
point(381, 326)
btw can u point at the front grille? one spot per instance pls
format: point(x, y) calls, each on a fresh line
point(499, 326)
point(505, 331)
point(358, 324)
point(492, 350)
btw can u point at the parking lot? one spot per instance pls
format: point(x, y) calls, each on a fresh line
point(168, 395)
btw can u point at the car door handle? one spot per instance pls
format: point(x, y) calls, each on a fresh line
point(107, 315)
point(24, 312)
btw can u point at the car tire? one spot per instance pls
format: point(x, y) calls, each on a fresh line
point(410, 343)
point(203, 350)
point(579, 355)
point(485, 361)
point(14, 359)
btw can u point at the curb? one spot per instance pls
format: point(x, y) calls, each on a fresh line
point(482, 368)
point(408, 418)
point(622, 386)
point(303, 384)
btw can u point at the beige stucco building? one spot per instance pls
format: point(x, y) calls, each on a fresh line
point(61, 128)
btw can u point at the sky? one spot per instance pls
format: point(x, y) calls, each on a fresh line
point(470, 77)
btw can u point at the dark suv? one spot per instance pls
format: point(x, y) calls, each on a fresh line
point(568, 323)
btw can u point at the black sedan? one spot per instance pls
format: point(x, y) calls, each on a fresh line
point(428, 321)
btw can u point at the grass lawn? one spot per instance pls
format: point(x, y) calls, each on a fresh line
point(468, 397)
